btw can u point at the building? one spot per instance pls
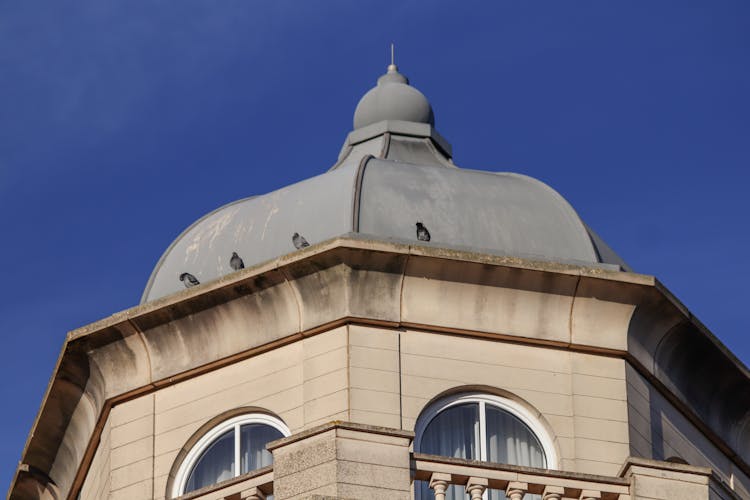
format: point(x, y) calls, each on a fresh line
point(397, 327)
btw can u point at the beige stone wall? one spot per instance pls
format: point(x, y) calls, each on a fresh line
point(97, 483)
point(123, 464)
point(386, 377)
point(659, 431)
point(304, 383)
point(580, 396)
point(374, 376)
point(132, 449)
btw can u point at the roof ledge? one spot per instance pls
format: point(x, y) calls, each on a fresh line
point(399, 127)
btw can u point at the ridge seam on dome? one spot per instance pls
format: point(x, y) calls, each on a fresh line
point(358, 190)
point(386, 145)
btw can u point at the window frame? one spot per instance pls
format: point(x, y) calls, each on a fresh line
point(234, 423)
point(518, 410)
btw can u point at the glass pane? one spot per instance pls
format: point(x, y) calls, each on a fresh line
point(453, 433)
point(510, 441)
point(253, 440)
point(215, 464)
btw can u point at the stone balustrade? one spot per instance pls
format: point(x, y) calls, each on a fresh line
point(638, 478)
point(515, 481)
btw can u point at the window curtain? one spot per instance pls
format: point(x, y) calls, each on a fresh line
point(253, 440)
point(455, 433)
point(215, 464)
point(452, 433)
point(510, 441)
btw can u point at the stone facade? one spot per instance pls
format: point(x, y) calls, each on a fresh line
point(347, 343)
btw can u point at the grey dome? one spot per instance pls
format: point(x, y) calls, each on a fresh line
point(390, 175)
point(393, 99)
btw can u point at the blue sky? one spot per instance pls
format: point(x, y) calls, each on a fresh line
point(123, 122)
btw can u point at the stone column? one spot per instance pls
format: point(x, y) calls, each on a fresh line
point(553, 492)
point(342, 460)
point(439, 483)
point(516, 490)
point(657, 479)
point(591, 495)
point(475, 487)
point(252, 494)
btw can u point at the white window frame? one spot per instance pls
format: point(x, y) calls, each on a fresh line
point(516, 409)
point(209, 437)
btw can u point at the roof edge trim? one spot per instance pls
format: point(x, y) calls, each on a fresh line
point(403, 128)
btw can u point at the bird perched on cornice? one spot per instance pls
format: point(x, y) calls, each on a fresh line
point(299, 241)
point(236, 262)
point(422, 233)
point(189, 280)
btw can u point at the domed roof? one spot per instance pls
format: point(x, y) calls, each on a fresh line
point(393, 99)
point(392, 174)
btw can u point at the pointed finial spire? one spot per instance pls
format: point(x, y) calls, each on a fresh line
point(392, 67)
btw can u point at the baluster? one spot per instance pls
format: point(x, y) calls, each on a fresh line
point(516, 490)
point(475, 487)
point(553, 493)
point(591, 495)
point(252, 494)
point(439, 483)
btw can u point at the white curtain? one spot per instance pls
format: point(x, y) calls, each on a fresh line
point(452, 433)
point(510, 441)
point(253, 440)
point(455, 433)
point(215, 464)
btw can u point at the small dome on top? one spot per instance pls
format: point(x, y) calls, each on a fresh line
point(393, 99)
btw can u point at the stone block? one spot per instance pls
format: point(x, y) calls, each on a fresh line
point(324, 342)
point(369, 357)
point(132, 452)
point(600, 429)
point(326, 406)
point(375, 418)
point(374, 379)
point(325, 384)
point(368, 400)
point(600, 408)
point(325, 363)
point(602, 387)
point(132, 410)
point(132, 474)
point(295, 458)
point(132, 431)
point(343, 460)
point(380, 338)
point(142, 489)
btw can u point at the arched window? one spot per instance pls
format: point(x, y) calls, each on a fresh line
point(233, 447)
point(483, 427)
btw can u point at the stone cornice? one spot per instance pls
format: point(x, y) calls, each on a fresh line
point(355, 279)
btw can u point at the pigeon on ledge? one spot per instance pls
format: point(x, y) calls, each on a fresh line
point(422, 233)
point(236, 262)
point(189, 280)
point(299, 241)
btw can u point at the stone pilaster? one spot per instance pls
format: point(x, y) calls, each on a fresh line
point(342, 460)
